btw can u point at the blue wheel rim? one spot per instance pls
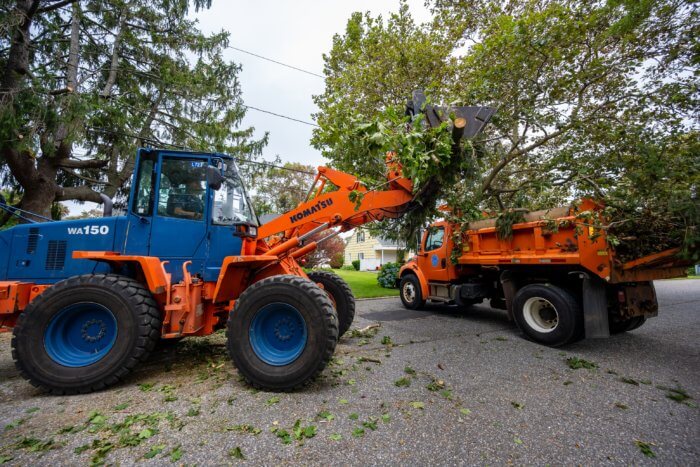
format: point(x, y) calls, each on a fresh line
point(278, 334)
point(80, 334)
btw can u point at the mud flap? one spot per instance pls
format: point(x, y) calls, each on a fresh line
point(509, 290)
point(595, 308)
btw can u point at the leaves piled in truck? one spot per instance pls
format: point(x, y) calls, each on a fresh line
point(645, 230)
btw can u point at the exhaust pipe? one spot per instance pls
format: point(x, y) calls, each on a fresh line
point(107, 203)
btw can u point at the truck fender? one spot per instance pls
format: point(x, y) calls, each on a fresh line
point(412, 268)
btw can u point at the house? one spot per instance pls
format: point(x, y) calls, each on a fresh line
point(371, 251)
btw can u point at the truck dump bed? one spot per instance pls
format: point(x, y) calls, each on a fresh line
point(558, 236)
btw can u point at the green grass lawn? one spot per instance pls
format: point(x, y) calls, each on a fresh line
point(365, 285)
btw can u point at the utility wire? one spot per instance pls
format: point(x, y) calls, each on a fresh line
point(280, 115)
point(185, 148)
point(278, 63)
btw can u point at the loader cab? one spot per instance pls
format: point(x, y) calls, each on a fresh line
point(188, 206)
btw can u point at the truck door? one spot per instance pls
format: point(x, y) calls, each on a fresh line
point(432, 259)
point(179, 229)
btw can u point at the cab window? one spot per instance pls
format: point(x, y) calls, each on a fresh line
point(183, 189)
point(435, 238)
point(143, 199)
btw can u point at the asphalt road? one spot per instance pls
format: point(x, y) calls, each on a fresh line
point(474, 392)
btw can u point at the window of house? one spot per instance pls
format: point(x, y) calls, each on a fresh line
point(360, 236)
point(360, 256)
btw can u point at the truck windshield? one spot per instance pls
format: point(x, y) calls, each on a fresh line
point(231, 204)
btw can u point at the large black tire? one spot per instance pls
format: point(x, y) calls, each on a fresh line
point(618, 327)
point(548, 314)
point(136, 324)
point(410, 291)
point(313, 313)
point(341, 294)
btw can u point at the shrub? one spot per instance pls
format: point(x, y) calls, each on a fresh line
point(388, 274)
point(348, 267)
point(337, 261)
point(356, 264)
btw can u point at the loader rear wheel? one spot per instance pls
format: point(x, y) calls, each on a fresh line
point(85, 333)
point(341, 294)
point(282, 332)
point(547, 314)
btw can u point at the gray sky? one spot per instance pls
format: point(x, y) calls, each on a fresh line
point(297, 33)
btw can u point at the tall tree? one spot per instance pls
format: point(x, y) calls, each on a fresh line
point(83, 83)
point(281, 189)
point(591, 98)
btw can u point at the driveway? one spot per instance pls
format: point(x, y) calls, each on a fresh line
point(424, 387)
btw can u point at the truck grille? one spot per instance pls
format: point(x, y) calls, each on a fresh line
point(56, 255)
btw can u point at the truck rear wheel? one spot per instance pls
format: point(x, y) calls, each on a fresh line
point(85, 333)
point(282, 332)
point(547, 314)
point(411, 295)
point(618, 327)
point(340, 294)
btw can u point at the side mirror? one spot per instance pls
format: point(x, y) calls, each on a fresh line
point(214, 177)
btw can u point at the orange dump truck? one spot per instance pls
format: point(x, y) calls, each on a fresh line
point(556, 276)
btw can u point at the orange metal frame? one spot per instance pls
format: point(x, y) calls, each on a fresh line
point(193, 307)
point(572, 242)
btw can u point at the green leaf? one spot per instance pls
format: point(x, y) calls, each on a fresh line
point(418, 405)
point(343, 401)
point(146, 387)
point(4, 459)
point(176, 454)
point(336, 437)
point(236, 453)
point(272, 401)
point(645, 448)
point(310, 431)
point(465, 411)
point(325, 415)
point(121, 406)
point(358, 432)
point(517, 405)
point(32, 410)
point(518, 441)
point(353, 416)
point(409, 371)
point(155, 450)
point(576, 363)
point(146, 433)
point(386, 418)
point(402, 382)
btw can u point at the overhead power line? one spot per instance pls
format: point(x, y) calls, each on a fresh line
point(280, 115)
point(239, 159)
point(278, 63)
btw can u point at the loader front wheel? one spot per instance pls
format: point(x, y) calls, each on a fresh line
point(341, 296)
point(282, 332)
point(85, 333)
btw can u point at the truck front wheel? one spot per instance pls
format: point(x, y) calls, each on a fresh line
point(411, 295)
point(282, 332)
point(85, 333)
point(547, 314)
